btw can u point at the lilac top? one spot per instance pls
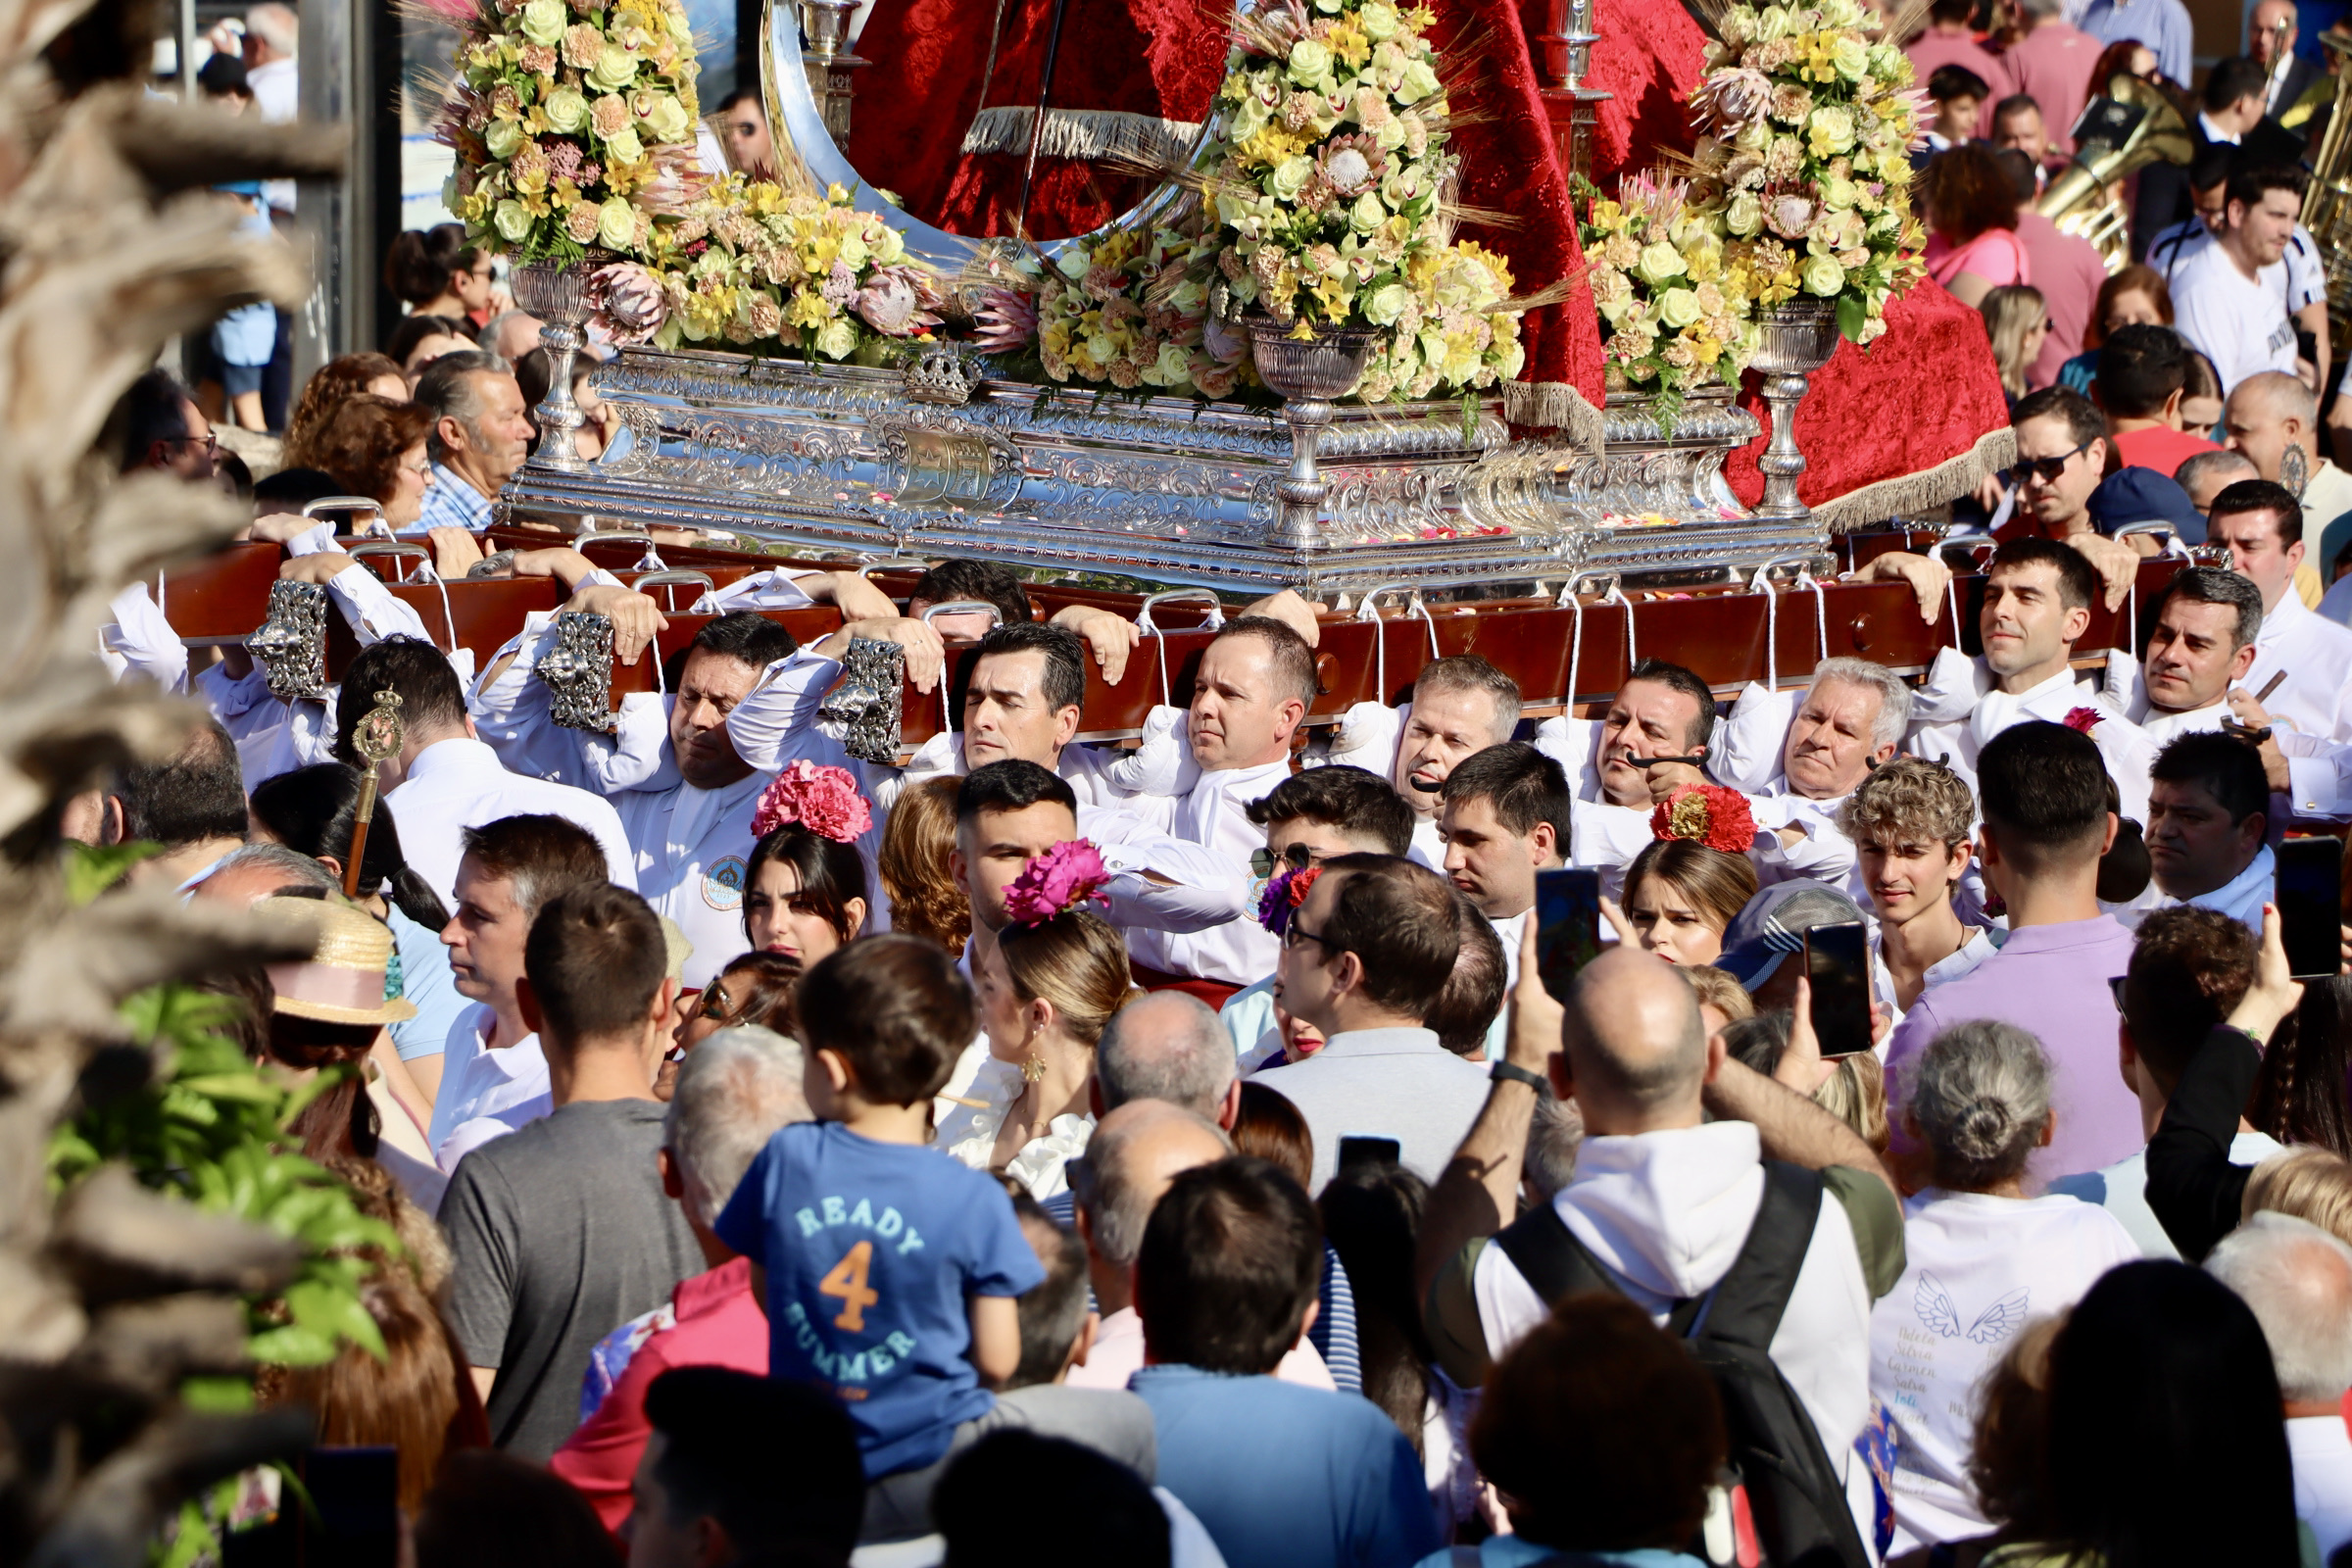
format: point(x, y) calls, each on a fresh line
point(2050, 981)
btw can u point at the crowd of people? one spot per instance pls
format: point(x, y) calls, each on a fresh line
point(795, 1150)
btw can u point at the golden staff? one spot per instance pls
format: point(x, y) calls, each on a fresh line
point(376, 736)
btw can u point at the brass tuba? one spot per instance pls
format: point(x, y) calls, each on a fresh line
point(2133, 125)
point(2327, 208)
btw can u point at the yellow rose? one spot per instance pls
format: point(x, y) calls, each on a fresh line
point(512, 220)
point(504, 137)
point(614, 69)
point(544, 21)
point(617, 225)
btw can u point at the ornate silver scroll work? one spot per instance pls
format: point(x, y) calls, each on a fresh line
point(578, 673)
point(291, 643)
point(863, 712)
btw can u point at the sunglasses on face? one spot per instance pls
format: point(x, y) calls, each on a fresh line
point(1264, 863)
point(2046, 470)
point(1297, 932)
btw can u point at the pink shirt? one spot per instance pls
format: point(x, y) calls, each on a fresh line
point(1931, 50)
point(1997, 255)
point(1117, 1354)
point(2068, 270)
point(719, 1325)
point(2051, 64)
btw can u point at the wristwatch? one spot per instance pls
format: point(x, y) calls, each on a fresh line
point(1512, 1072)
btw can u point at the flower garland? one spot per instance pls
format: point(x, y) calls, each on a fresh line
point(1677, 316)
point(1709, 814)
point(1066, 877)
point(823, 799)
point(1803, 167)
point(573, 124)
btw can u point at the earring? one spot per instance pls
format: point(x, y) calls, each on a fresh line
point(1032, 1067)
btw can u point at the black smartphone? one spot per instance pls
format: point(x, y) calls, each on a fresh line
point(1838, 962)
point(1378, 1153)
point(2309, 893)
point(1567, 925)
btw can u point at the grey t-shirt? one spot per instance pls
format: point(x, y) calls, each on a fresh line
point(558, 1233)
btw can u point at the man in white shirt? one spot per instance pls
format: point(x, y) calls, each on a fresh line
point(272, 40)
point(2274, 420)
point(2227, 298)
point(1849, 720)
point(1364, 959)
point(2201, 646)
point(2208, 818)
point(1254, 684)
point(2037, 599)
point(2261, 524)
point(1657, 733)
point(1912, 826)
point(444, 780)
point(1310, 817)
point(2189, 966)
point(1460, 705)
point(1503, 815)
point(491, 1075)
point(2298, 1280)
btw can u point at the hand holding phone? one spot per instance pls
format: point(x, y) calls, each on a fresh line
point(1567, 925)
point(2309, 893)
point(1837, 966)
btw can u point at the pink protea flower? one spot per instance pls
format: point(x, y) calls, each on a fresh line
point(1730, 99)
point(1006, 320)
point(1352, 165)
point(627, 300)
point(1066, 877)
point(896, 301)
point(1791, 213)
point(823, 799)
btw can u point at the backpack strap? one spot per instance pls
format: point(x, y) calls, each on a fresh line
point(1550, 1258)
point(1745, 1306)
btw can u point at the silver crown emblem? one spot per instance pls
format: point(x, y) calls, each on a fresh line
point(940, 375)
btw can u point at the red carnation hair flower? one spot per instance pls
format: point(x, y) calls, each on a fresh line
point(1709, 814)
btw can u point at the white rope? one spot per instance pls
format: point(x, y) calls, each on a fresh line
point(1820, 610)
point(425, 570)
point(1576, 646)
point(1761, 584)
point(1616, 595)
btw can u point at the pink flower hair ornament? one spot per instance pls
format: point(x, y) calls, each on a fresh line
point(2081, 721)
point(1709, 814)
point(1284, 894)
point(1068, 876)
point(823, 799)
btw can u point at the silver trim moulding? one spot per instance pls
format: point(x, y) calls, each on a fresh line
point(1164, 489)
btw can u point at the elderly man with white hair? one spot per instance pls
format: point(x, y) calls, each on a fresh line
point(2298, 1280)
point(733, 1092)
point(1798, 759)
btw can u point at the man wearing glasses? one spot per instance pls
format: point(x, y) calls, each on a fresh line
point(1309, 819)
point(2062, 451)
point(160, 429)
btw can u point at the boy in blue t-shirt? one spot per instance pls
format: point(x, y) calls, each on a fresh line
point(887, 1269)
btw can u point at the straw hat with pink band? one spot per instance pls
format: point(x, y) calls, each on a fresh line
point(343, 982)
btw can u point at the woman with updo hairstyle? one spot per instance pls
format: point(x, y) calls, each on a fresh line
point(330, 387)
point(1681, 897)
point(1048, 984)
point(419, 340)
point(1980, 1258)
point(804, 890)
point(375, 447)
point(925, 899)
point(436, 273)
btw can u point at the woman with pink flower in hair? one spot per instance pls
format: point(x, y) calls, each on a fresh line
point(1049, 985)
point(1685, 889)
point(803, 889)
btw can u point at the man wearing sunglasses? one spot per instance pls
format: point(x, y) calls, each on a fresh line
point(1309, 819)
point(2061, 459)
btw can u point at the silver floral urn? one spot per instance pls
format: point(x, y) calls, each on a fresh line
point(1308, 374)
point(1798, 337)
point(557, 293)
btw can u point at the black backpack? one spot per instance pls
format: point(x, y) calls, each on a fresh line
point(1799, 1506)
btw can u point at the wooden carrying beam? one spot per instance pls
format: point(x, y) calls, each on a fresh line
point(221, 598)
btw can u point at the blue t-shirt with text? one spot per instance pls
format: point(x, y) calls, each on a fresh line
point(872, 1252)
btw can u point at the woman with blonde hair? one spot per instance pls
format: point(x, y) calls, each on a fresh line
point(1049, 986)
point(925, 899)
point(2017, 318)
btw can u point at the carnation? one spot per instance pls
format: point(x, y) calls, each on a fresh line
point(1709, 814)
point(1061, 881)
point(822, 800)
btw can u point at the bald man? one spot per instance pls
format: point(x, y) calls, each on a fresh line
point(1135, 1153)
point(2274, 420)
point(2209, 473)
point(1663, 1200)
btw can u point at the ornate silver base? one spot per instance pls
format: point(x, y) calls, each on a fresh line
point(1159, 488)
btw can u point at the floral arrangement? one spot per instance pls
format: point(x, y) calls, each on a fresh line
point(747, 263)
point(1066, 877)
point(1283, 897)
point(1323, 205)
point(1675, 315)
point(822, 800)
point(573, 124)
point(1709, 814)
point(1802, 169)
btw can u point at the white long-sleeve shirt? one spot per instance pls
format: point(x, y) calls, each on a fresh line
point(1213, 815)
point(2316, 656)
point(459, 783)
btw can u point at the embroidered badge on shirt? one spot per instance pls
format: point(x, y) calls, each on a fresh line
point(722, 884)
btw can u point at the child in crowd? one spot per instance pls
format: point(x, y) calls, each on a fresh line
point(889, 1271)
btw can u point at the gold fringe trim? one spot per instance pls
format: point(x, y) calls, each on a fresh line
point(1091, 134)
point(1948, 480)
point(1554, 405)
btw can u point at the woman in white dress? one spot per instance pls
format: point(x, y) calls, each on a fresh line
point(1048, 988)
point(1981, 1260)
